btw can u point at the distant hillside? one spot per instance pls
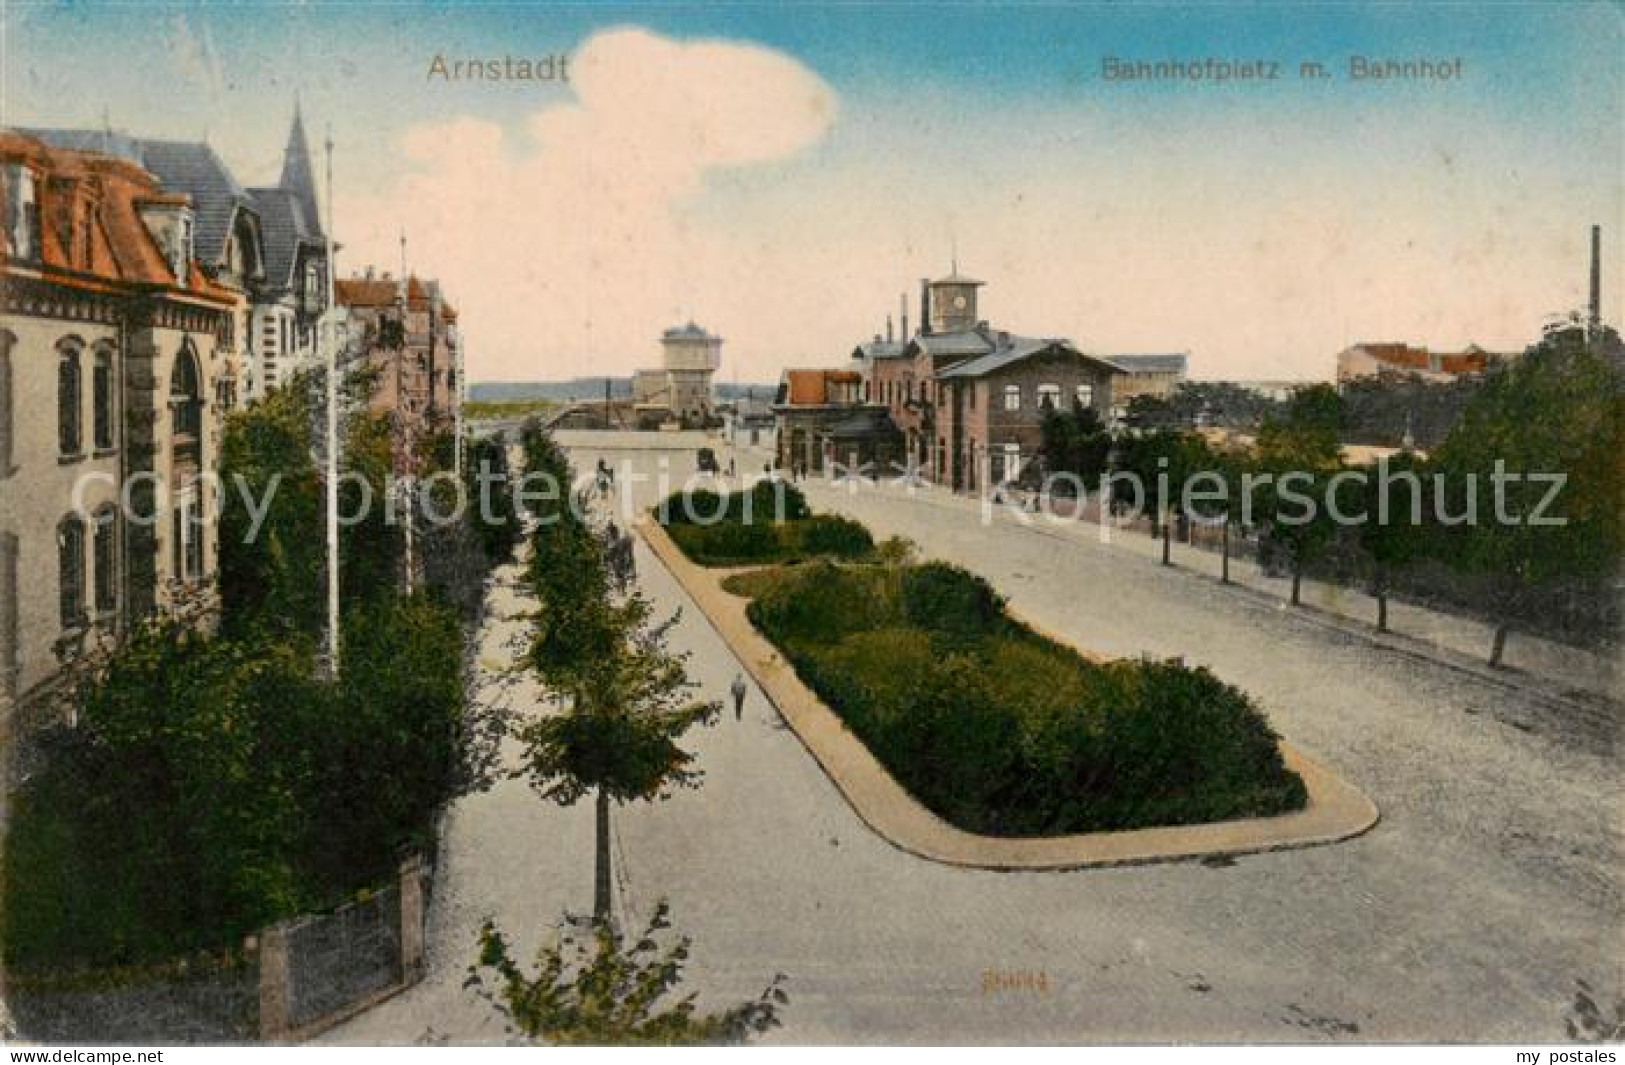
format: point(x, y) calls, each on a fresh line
point(557, 391)
point(588, 388)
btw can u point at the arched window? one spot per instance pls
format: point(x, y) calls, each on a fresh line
point(104, 552)
point(70, 555)
point(8, 413)
point(1086, 395)
point(1012, 397)
point(104, 409)
point(1049, 397)
point(186, 415)
point(69, 432)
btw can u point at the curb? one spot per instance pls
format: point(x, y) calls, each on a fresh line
point(1335, 811)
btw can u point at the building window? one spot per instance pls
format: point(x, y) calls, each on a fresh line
point(1049, 397)
point(70, 549)
point(186, 413)
point(7, 405)
point(104, 549)
point(186, 537)
point(1086, 395)
point(103, 406)
point(1012, 397)
point(1012, 463)
point(183, 251)
point(22, 214)
point(68, 429)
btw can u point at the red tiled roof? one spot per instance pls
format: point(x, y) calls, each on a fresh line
point(810, 388)
point(121, 247)
point(365, 291)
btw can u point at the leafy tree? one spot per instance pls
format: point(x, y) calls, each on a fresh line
point(1556, 411)
point(273, 579)
point(1075, 442)
point(1307, 434)
point(1397, 507)
point(611, 993)
point(628, 698)
point(629, 707)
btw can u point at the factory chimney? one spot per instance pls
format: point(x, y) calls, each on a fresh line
point(925, 306)
point(1595, 321)
point(888, 329)
point(902, 302)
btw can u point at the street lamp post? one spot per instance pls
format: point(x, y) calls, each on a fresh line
point(329, 339)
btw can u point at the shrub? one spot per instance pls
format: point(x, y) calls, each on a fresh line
point(831, 534)
point(1002, 731)
point(728, 543)
point(766, 502)
point(952, 602)
point(823, 602)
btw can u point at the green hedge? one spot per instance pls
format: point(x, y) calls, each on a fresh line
point(1003, 732)
point(212, 787)
point(767, 502)
point(692, 521)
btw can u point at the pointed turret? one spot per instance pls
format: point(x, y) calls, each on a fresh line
point(297, 175)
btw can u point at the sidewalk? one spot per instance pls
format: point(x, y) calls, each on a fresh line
point(1533, 665)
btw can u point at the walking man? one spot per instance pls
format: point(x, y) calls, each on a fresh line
point(738, 689)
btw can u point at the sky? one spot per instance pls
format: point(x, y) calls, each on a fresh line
point(783, 173)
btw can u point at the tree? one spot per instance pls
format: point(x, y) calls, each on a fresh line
point(1300, 449)
point(1075, 442)
point(618, 740)
point(627, 697)
point(612, 994)
point(1395, 532)
point(1556, 412)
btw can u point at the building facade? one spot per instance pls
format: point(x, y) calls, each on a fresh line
point(967, 400)
point(1148, 375)
point(266, 245)
point(112, 355)
point(823, 422)
point(1374, 359)
point(404, 332)
point(680, 388)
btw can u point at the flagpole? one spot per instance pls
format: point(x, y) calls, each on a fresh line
point(330, 340)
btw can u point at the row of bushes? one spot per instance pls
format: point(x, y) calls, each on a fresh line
point(768, 522)
point(738, 543)
point(1003, 732)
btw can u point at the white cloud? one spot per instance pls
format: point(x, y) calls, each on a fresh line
point(568, 250)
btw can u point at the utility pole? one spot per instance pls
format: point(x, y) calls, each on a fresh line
point(329, 339)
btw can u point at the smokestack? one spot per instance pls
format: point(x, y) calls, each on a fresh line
point(902, 301)
point(888, 329)
point(1596, 276)
point(925, 307)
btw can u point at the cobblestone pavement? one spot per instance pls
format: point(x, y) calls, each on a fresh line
point(1491, 885)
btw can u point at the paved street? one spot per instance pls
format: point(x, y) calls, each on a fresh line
point(1491, 885)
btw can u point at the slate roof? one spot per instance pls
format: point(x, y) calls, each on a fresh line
point(689, 331)
point(195, 169)
point(1175, 362)
point(967, 344)
point(1012, 349)
point(869, 422)
point(282, 229)
point(879, 349)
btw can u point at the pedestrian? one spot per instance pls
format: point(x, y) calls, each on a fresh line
point(739, 689)
point(730, 468)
